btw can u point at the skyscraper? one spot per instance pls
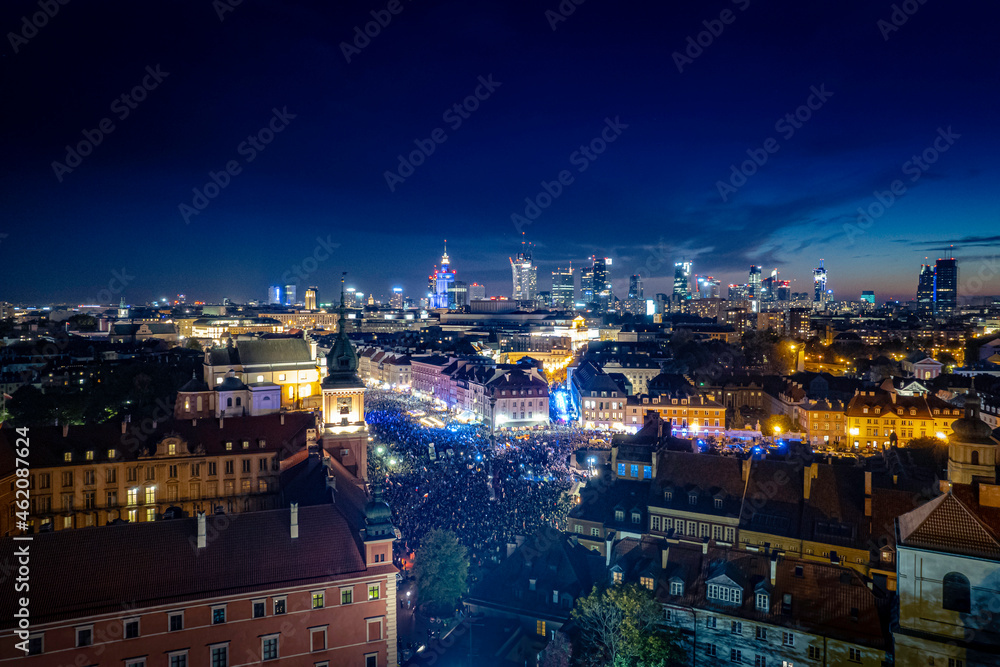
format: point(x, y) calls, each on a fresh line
point(602, 282)
point(396, 301)
point(682, 281)
point(819, 287)
point(563, 289)
point(925, 288)
point(477, 291)
point(458, 294)
point(312, 298)
point(274, 293)
point(290, 295)
point(708, 287)
point(525, 275)
point(945, 287)
point(635, 287)
point(587, 284)
point(442, 279)
point(754, 283)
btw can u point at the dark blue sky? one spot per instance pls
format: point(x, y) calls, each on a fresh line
point(651, 198)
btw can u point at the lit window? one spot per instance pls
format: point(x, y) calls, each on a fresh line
point(279, 606)
point(374, 590)
point(317, 600)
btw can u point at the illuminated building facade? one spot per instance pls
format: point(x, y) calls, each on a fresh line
point(524, 274)
point(440, 283)
point(563, 289)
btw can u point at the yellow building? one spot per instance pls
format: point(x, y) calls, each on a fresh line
point(697, 414)
point(823, 422)
point(287, 362)
point(875, 419)
point(220, 328)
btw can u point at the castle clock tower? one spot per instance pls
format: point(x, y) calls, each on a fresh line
point(345, 434)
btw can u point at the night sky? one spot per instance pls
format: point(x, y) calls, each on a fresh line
point(887, 93)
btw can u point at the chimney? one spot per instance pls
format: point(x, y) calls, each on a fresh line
point(746, 470)
point(664, 557)
point(704, 547)
point(295, 520)
point(194, 422)
point(774, 568)
point(202, 539)
point(895, 480)
point(809, 474)
point(123, 427)
point(221, 420)
point(282, 418)
point(65, 430)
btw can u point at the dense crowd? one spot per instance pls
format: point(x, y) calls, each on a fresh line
point(486, 494)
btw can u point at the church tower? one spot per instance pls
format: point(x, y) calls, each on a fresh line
point(345, 434)
point(972, 449)
point(123, 313)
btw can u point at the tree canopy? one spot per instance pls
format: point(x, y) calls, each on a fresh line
point(441, 568)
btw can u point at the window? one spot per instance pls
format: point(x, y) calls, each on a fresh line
point(957, 594)
point(85, 636)
point(677, 588)
point(634, 469)
point(229, 467)
point(220, 656)
point(279, 606)
point(760, 633)
point(178, 659)
point(131, 628)
point(136, 662)
point(269, 648)
point(68, 457)
point(317, 600)
point(692, 499)
point(668, 496)
point(735, 655)
point(374, 591)
point(647, 582)
point(172, 472)
point(787, 639)
point(759, 661)
point(854, 655)
point(814, 653)
point(317, 639)
point(954, 662)
point(175, 621)
point(371, 660)
point(711, 649)
point(595, 532)
point(619, 515)
point(647, 472)
point(736, 628)
point(36, 644)
point(725, 594)
point(258, 609)
point(218, 615)
point(150, 495)
point(540, 628)
point(636, 517)
point(374, 629)
point(711, 622)
point(763, 601)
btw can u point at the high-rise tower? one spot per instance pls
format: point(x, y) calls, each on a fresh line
point(819, 287)
point(925, 288)
point(635, 287)
point(524, 274)
point(945, 287)
point(563, 289)
point(682, 281)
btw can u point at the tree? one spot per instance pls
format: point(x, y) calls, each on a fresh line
point(621, 626)
point(193, 344)
point(558, 653)
point(441, 568)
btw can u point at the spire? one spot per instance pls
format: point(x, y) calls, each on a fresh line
point(343, 305)
point(444, 258)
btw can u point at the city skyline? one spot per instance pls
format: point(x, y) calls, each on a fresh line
point(881, 108)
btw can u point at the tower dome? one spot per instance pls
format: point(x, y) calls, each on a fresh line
point(378, 517)
point(970, 428)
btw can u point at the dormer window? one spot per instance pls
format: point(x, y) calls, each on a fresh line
point(677, 588)
point(246, 444)
point(937, 411)
point(68, 457)
point(878, 411)
point(262, 443)
point(616, 577)
point(645, 400)
point(668, 496)
point(619, 515)
point(229, 445)
point(635, 517)
point(718, 503)
point(726, 594)
point(647, 582)
point(913, 411)
point(172, 449)
point(112, 453)
point(763, 602)
point(692, 499)
point(89, 455)
point(865, 409)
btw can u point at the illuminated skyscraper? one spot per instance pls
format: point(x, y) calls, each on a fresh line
point(708, 287)
point(441, 296)
point(820, 294)
point(925, 288)
point(290, 295)
point(563, 289)
point(396, 301)
point(635, 287)
point(587, 284)
point(682, 281)
point(525, 275)
point(274, 294)
point(477, 291)
point(312, 298)
point(945, 286)
point(602, 282)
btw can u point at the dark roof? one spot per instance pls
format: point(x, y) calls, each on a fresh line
point(774, 498)
point(273, 351)
point(709, 477)
point(138, 565)
point(954, 523)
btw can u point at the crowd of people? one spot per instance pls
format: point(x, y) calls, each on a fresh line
point(487, 494)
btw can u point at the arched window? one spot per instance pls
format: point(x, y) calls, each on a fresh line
point(229, 402)
point(956, 593)
point(975, 457)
